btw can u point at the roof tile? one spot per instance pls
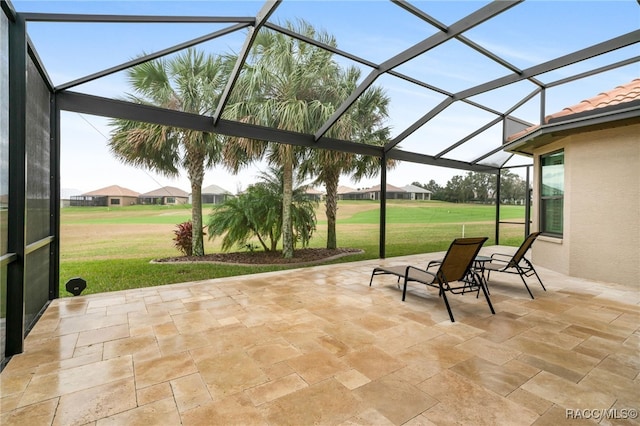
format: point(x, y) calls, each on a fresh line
point(166, 191)
point(621, 94)
point(113, 191)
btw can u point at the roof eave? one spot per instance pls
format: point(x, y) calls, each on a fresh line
point(571, 124)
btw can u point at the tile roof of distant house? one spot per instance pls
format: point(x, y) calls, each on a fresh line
point(622, 94)
point(345, 189)
point(166, 191)
point(315, 191)
point(214, 189)
point(113, 191)
point(390, 188)
point(416, 189)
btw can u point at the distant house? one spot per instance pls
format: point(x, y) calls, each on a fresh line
point(314, 194)
point(66, 194)
point(213, 194)
point(342, 190)
point(166, 195)
point(356, 194)
point(111, 196)
point(373, 193)
point(417, 193)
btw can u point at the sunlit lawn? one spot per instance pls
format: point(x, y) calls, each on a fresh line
point(112, 248)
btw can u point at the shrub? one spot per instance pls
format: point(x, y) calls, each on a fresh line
point(257, 212)
point(183, 238)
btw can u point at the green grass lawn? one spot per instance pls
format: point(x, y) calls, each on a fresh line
point(112, 248)
point(128, 215)
point(413, 212)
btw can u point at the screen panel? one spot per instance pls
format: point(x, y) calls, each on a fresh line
point(38, 199)
point(38, 156)
point(36, 292)
point(4, 170)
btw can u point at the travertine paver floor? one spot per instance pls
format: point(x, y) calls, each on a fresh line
point(319, 346)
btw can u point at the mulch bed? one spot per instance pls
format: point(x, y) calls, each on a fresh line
point(306, 255)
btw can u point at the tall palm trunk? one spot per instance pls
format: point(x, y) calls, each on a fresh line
point(196, 176)
point(274, 242)
point(287, 198)
point(196, 218)
point(331, 204)
point(189, 82)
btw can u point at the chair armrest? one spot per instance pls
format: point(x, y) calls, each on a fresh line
point(424, 277)
point(505, 257)
point(434, 263)
point(410, 267)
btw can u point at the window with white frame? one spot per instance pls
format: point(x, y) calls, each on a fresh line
point(552, 193)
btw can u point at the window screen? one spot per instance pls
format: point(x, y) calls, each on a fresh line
point(552, 193)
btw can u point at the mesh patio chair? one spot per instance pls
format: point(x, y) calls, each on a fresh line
point(456, 267)
point(516, 263)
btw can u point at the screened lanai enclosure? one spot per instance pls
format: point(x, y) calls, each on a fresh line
point(461, 77)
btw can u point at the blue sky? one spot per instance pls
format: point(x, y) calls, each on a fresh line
point(525, 35)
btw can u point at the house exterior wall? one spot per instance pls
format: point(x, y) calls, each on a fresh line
point(420, 196)
point(551, 252)
point(601, 238)
point(355, 196)
point(149, 200)
point(392, 195)
point(119, 201)
point(87, 201)
point(214, 198)
point(174, 200)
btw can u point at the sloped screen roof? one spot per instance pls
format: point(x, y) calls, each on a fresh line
point(461, 76)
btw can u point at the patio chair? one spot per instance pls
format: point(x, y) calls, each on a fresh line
point(516, 263)
point(456, 267)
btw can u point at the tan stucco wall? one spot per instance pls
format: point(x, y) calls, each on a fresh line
point(602, 207)
point(124, 201)
point(177, 200)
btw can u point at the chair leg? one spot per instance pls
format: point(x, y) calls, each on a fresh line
point(446, 302)
point(537, 276)
point(485, 280)
point(539, 280)
point(404, 289)
point(476, 278)
point(486, 296)
point(532, 269)
point(521, 273)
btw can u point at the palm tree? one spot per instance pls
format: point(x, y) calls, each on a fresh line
point(363, 123)
point(257, 212)
point(303, 216)
point(190, 82)
point(250, 214)
point(283, 86)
